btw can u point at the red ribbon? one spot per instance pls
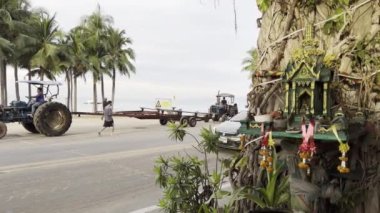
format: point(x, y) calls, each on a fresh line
point(264, 141)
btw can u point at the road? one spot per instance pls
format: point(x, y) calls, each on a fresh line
point(82, 172)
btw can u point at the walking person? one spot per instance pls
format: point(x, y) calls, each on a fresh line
point(107, 115)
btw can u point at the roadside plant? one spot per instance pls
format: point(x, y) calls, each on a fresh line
point(271, 193)
point(275, 190)
point(188, 184)
point(185, 185)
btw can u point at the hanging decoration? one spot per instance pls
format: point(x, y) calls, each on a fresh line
point(307, 148)
point(266, 150)
point(343, 148)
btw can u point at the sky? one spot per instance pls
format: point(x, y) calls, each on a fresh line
point(186, 50)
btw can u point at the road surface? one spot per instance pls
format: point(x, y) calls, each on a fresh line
point(82, 172)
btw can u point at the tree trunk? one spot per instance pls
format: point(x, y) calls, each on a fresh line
point(17, 88)
point(95, 106)
point(113, 86)
point(3, 81)
point(75, 94)
point(102, 89)
point(42, 74)
point(72, 90)
point(68, 89)
point(29, 86)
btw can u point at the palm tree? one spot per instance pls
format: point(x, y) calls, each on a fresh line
point(46, 61)
point(6, 48)
point(119, 55)
point(66, 60)
point(96, 25)
point(21, 39)
point(250, 63)
point(79, 66)
point(11, 11)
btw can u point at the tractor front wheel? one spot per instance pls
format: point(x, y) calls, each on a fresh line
point(30, 127)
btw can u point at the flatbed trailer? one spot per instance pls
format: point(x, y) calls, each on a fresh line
point(163, 115)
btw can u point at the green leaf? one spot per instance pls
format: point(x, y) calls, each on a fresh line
point(209, 140)
point(283, 199)
point(220, 194)
point(284, 185)
point(263, 5)
point(177, 132)
point(255, 199)
point(216, 178)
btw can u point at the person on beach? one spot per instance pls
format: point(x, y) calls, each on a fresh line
point(107, 115)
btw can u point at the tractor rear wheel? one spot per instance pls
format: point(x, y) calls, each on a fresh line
point(3, 129)
point(52, 119)
point(30, 127)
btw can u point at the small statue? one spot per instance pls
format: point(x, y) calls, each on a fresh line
point(304, 110)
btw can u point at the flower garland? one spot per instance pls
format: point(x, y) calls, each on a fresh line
point(343, 148)
point(266, 150)
point(307, 148)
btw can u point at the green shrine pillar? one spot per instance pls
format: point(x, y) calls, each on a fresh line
point(293, 109)
point(286, 110)
point(325, 87)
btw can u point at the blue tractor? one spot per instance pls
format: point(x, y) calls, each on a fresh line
point(49, 118)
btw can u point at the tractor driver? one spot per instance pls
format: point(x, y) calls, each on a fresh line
point(224, 102)
point(39, 99)
point(224, 106)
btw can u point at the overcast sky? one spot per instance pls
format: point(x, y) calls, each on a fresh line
point(184, 48)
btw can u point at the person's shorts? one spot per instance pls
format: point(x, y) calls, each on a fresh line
point(108, 124)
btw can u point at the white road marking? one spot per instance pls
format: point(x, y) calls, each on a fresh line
point(147, 209)
point(94, 158)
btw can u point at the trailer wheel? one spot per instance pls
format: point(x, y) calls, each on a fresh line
point(30, 127)
point(206, 119)
point(184, 121)
point(163, 121)
point(52, 119)
point(193, 122)
point(3, 129)
point(215, 118)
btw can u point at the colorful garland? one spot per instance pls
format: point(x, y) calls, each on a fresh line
point(307, 148)
point(266, 150)
point(343, 148)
